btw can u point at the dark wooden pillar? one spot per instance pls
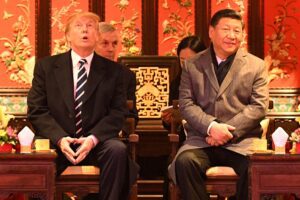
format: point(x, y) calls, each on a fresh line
point(202, 19)
point(149, 27)
point(256, 27)
point(98, 7)
point(42, 28)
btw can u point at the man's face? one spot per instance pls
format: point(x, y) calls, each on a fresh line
point(83, 34)
point(108, 44)
point(226, 36)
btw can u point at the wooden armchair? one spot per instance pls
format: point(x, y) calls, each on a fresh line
point(82, 180)
point(221, 180)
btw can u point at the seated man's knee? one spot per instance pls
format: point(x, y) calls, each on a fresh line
point(190, 159)
point(118, 148)
point(184, 159)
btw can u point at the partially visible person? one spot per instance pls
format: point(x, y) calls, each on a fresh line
point(223, 96)
point(108, 41)
point(187, 48)
point(107, 47)
point(78, 102)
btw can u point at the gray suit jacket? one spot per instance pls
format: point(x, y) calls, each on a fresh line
point(241, 100)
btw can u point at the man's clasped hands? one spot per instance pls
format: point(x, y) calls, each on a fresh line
point(219, 134)
point(83, 147)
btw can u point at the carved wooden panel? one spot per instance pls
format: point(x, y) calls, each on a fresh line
point(153, 74)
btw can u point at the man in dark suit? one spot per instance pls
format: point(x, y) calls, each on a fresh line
point(77, 101)
point(107, 47)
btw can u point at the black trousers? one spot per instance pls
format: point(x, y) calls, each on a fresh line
point(112, 158)
point(191, 166)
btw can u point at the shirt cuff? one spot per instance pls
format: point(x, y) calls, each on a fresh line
point(209, 127)
point(95, 140)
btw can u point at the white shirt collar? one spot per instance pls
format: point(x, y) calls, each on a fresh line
point(76, 58)
point(219, 60)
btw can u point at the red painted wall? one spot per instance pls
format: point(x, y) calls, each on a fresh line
point(273, 11)
point(17, 43)
point(15, 10)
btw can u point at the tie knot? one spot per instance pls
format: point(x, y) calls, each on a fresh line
point(82, 62)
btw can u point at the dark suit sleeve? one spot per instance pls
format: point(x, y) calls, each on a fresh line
point(114, 104)
point(38, 110)
point(130, 87)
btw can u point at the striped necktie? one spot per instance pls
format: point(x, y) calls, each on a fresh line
point(80, 87)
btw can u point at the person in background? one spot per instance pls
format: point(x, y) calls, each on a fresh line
point(108, 41)
point(78, 102)
point(187, 48)
point(223, 96)
point(107, 47)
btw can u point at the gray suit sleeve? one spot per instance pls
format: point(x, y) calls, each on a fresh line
point(197, 119)
point(247, 121)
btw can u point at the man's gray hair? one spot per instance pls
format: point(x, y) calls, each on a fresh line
point(105, 27)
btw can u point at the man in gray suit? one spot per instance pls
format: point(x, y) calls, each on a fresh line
point(223, 97)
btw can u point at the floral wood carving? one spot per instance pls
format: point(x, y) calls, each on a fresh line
point(128, 30)
point(279, 58)
point(61, 45)
point(17, 57)
point(239, 3)
point(176, 27)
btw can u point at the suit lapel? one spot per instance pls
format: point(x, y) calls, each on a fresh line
point(96, 75)
point(209, 70)
point(237, 64)
point(64, 78)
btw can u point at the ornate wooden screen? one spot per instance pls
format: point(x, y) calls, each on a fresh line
point(153, 74)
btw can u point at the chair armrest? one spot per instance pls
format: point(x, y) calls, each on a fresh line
point(134, 138)
point(174, 140)
point(174, 135)
point(133, 141)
